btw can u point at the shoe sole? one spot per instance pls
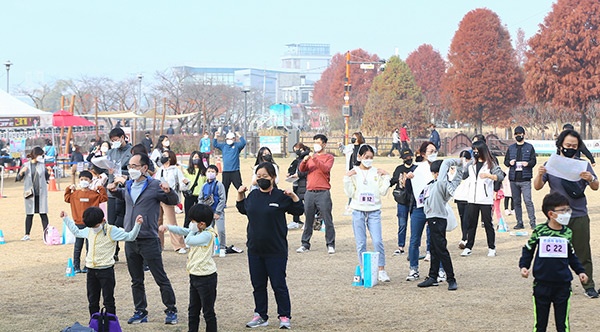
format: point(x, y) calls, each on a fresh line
point(425, 286)
point(258, 325)
point(138, 321)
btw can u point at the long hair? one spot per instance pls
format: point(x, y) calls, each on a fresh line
point(484, 153)
point(362, 150)
point(259, 156)
point(360, 139)
point(159, 145)
point(201, 168)
point(422, 150)
point(561, 139)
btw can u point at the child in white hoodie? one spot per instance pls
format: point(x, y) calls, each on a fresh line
point(365, 185)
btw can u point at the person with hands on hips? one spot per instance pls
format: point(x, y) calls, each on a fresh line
point(267, 242)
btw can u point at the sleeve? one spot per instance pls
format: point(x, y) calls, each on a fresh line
point(533, 159)
point(241, 206)
point(218, 145)
point(242, 143)
point(180, 178)
point(103, 196)
point(587, 153)
point(119, 234)
point(200, 239)
point(384, 184)
point(222, 198)
point(303, 167)
point(349, 186)
point(170, 198)
point(296, 208)
point(326, 165)
point(178, 230)
point(507, 157)
point(118, 193)
point(497, 171)
point(529, 250)
point(574, 262)
point(395, 177)
point(452, 185)
point(68, 194)
point(80, 233)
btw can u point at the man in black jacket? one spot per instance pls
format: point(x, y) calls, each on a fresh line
point(520, 159)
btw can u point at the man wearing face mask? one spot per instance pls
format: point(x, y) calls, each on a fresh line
point(318, 197)
point(147, 142)
point(403, 195)
point(567, 144)
point(395, 142)
point(119, 153)
point(231, 159)
point(520, 159)
point(142, 196)
point(434, 137)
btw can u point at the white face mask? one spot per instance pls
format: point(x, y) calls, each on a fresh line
point(116, 145)
point(229, 142)
point(97, 229)
point(166, 143)
point(84, 184)
point(135, 174)
point(211, 175)
point(104, 149)
point(563, 218)
point(367, 162)
point(317, 147)
point(432, 157)
point(39, 159)
point(194, 227)
point(205, 136)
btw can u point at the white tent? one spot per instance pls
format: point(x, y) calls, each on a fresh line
point(15, 113)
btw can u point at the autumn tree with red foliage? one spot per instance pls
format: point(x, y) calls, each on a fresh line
point(483, 82)
point(428, 68)
point(329, 90)
point(563, 63)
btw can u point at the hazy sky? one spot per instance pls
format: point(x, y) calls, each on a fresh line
point(48, 40)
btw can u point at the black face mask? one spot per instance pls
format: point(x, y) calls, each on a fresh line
point(408, 162)
point(264, 184)
point(569, 153)
point(196, 162)
point(475, 155)
point(519, 138)
point(298, 152)
point(163, 160)
point(353, 140)
point(267, 158)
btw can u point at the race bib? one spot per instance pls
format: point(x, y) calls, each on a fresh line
point(84, 199)
point(553, 247)
point(367, 198)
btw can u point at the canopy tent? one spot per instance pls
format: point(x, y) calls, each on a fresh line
point(15, 113)
point(152, 113)
point(132, 115)
point(67, 119)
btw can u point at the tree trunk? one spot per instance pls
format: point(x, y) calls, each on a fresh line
point(583, 125)
point(590, 128)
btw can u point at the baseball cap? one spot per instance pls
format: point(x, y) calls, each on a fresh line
point(405, 153)
point(230, 135)
point(519, 130)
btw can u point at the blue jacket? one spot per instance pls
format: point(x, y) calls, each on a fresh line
point(147, 205)
point(231, 154)
point(435, 139)
point(527, 154)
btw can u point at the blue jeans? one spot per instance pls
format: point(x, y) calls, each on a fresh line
point(361, 220)
point(417, 224)
point(402, 215)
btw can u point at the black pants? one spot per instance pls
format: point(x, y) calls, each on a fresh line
point(439, 248)
point(101, 280)
point(543, 297)
point(462, 212)
point(405, 145)
point(395, 146)
point(301, 196)
point(272, 269)
point(188, 202)
point(78, 248)
point(231, 177)
point(486, 217)
point(29, 217)
point(512, 203)
point(148, 250)
point(203, 293)
point(115, 210)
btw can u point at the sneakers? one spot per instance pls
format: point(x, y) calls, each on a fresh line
point(591, 293)
point(428, 282)
point(462, 244)
point(171, 318)
point(383, 276)
point(441, 276)
point(507, 212)
point(452, 285)
point(138, 317)
point(293, 225)
point(399, 251)
point(427, 257)
point(302, 249)
point(84, 270)
point(259, 321)
point(348, 211)
point(412, 275)
point(25, 238)
point(233, 250)
point(284, 323)
point(330, 250)
point(466, 252)
point(532, 225)
point(182, 251)
point(491, 252)
point(519, 226)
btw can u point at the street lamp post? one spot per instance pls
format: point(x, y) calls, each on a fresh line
point(245, 91)
point(7, 64)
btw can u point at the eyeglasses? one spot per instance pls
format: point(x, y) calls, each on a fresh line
point(565, 210)
point(134, 166)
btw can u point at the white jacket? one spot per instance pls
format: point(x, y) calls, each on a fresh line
point(462, 191)
point(173, 176)
point(481, 191)
point(366, 197)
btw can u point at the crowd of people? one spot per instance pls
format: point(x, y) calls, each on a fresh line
point(133, 193)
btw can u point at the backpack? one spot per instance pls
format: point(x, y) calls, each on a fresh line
point(77, 328)
point(105, 322)
point(210, 197)
point(52, 236)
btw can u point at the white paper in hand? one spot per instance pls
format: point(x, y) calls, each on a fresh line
point(104, 162)
point(565, 168)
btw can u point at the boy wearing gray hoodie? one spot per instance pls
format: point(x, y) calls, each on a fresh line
point(437, 194)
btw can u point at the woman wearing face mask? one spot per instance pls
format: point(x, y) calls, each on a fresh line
point(567, 144)
point(267, 242)
point(264, 155)
point(170, 173)
point(404, 200)
point(365, 185)
point(76, 157)
point(213, 194)
point(98, 151)
point(351, 151)
point(299, 178)
point(162, 145)
point(196, 175)
point(419, 178)
point(483, 171)
point(35, 189)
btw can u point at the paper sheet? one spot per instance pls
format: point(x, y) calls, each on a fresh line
point(422, 178)
point(565, 168)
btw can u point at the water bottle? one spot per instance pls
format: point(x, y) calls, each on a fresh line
point(519, 233)
point(217, 246)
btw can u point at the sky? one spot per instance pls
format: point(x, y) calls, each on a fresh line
point(119, 39)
